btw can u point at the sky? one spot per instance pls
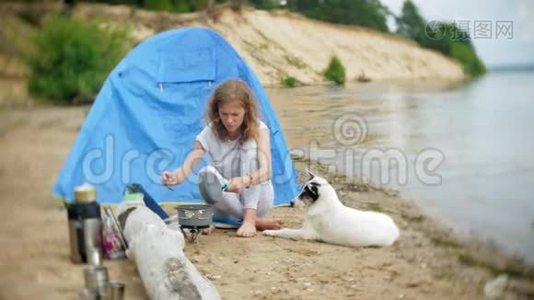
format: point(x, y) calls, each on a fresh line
point(513, 20)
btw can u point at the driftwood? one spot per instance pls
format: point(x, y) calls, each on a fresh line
point(158, 252)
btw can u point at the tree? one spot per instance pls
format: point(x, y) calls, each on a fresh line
point(302, 5)
point(367, 13)
point(164, 5)
point(410, 23)
point(444, 37)
point(265, 4)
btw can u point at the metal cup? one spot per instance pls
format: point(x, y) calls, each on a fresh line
point(96, 278)
point(88, 294)
point(114, 290)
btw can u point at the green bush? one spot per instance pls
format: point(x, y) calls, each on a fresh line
point(72, 59)
point(289, 81)
point(335, 71)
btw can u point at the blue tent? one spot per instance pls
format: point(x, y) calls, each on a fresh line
point(149, 111)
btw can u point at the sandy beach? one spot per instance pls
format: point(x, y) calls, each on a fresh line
point(426, 262)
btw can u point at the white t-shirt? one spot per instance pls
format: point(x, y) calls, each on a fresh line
point(229, 157)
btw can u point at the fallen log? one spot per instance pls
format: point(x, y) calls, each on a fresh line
point(158, 252)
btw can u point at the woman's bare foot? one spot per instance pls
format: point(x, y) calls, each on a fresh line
point(247, 229)
point(264, 224)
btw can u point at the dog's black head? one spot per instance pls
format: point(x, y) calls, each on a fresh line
point(310, 191)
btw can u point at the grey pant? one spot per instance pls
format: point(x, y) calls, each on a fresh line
point(259, 197)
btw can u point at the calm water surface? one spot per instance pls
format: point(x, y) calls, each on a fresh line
point(464, 153)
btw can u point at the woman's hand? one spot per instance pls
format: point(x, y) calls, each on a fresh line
point(236, 185)
point(170, 178)
point(180, 174)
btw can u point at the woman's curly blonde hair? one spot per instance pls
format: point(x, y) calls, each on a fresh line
point(228, 91)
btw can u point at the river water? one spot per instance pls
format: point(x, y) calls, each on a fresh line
point(464, 153)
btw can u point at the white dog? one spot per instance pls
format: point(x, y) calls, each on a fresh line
point(328, 220)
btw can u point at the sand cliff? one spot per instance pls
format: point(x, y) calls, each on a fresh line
point(279, 44)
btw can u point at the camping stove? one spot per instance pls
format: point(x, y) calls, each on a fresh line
point(194, 218)
point(191, 233)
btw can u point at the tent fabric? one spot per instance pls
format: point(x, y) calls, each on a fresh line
point(148, 113)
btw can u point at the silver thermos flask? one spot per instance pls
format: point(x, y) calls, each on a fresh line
point(85, 226)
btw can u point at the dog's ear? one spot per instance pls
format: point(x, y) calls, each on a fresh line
point(310, 174)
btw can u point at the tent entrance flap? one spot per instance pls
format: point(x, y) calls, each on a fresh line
point(186, 66)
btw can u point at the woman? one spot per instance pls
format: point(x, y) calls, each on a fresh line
point(239, 149)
